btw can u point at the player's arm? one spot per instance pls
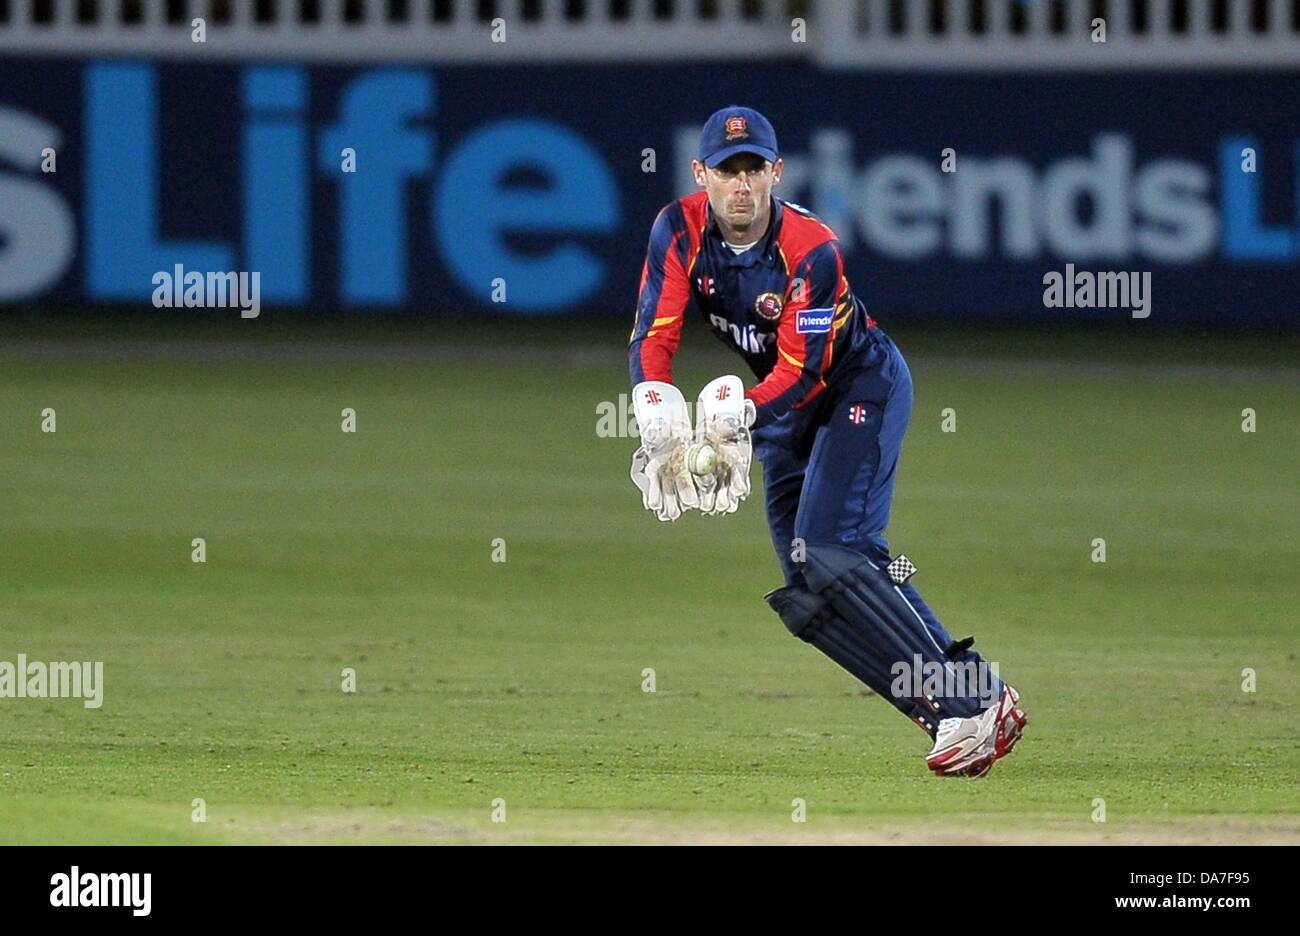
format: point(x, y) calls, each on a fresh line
point(661, 305)
point(806, 335)
point(658, 466)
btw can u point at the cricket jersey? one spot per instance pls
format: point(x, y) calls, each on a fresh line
point(783, 304)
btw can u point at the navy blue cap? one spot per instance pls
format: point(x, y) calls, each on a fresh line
point(735, 130)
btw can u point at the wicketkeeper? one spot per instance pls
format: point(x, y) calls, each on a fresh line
point(827, 418)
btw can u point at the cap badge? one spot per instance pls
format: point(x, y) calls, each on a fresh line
point(737, 128)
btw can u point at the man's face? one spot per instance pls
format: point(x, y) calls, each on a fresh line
point(740, 189)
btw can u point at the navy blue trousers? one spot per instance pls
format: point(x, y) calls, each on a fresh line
point(829, 468)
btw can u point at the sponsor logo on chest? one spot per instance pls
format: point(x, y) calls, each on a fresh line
point(746, 337)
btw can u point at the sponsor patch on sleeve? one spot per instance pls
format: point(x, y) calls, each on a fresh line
point(813, 321)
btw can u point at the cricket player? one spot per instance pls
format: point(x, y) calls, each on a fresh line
point(826, 417)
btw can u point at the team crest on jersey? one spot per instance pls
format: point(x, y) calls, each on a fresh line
point(737, 128)
point(768, 305)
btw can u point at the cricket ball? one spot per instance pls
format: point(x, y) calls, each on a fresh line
point(701, 459)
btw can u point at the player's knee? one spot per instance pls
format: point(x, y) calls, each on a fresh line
point(798, 609)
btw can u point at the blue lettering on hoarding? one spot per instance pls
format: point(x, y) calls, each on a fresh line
point(277, 179)
point(1244, 236)
point(473, 211)
point(377, 114)
point(122, 252)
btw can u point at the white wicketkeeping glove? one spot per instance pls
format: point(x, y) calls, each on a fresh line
point(722, 419)
point(659, 465)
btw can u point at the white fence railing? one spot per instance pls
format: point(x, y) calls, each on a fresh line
point(890, 34)
point(1062, 34)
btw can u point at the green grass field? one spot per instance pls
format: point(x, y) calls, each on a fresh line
point(522, 680)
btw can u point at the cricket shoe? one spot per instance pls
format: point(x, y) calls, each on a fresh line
point(969, 747)
point(1010, 720)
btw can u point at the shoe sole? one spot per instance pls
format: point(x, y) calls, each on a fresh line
point(982, 767)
